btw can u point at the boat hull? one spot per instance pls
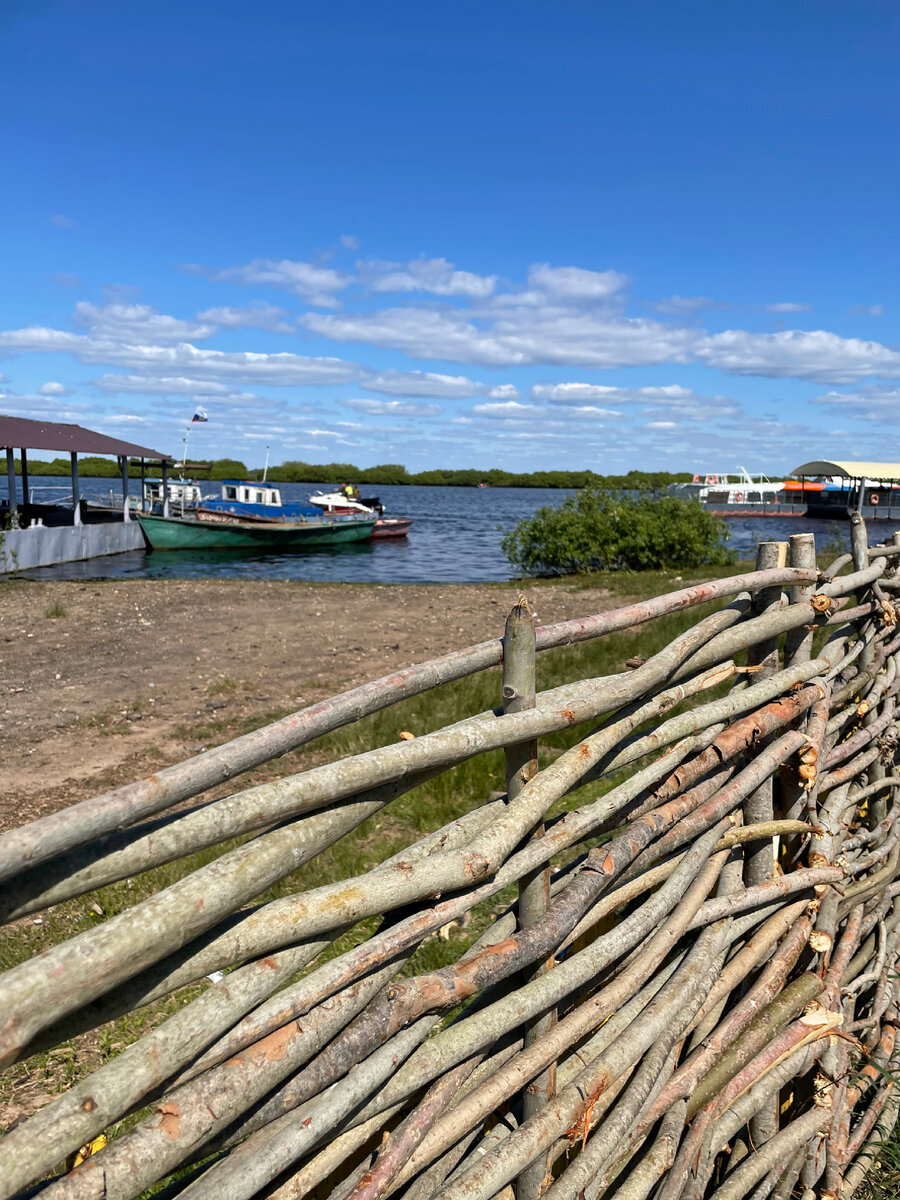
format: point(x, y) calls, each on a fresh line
point(183, 533)
point(391, 527)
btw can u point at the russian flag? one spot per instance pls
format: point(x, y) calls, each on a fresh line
point(199, 415)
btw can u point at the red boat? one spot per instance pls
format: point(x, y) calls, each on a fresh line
point(391, 527)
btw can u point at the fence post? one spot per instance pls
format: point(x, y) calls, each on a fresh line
point(859, 546)
point(758, 807)
point(798, 642)
point(797, 649)
point(534, 889)
point(759, 862)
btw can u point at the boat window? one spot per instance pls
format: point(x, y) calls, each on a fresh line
point(231, 493)
point(260, 497)
point(754, 497)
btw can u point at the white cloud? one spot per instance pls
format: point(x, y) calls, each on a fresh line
point(237, 367)
point(867, 404)
point(315, 285)
point(257, 315)
point(519, 337)
point(392, 408)
point(349, 242)
point(52, 388)
point(504, 391)
point(795, 354)
point(61, 221)
point(589, 412)
point(787, 306)
point(422, 383)
point(665, 399)
point(867, 310)
point(575, 283)
point(149, 385)
point(508, 409)
point(434, 275)
point(136, 322)
point(687, 306)
point(571, 393)
point(662, 425)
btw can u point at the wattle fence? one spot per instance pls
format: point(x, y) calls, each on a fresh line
point(689, 989)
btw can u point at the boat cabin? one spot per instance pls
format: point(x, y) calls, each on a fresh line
point(251, 493)
point(181, 492)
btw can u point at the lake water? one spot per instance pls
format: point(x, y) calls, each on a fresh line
point(455, 538)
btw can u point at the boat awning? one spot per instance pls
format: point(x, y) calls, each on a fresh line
point(17, 433)
point(850, 470)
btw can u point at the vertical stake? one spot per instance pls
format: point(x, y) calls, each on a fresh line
point(534, 889)
point(759, 863)
point(11, 484)
point(859, 547)
point(795, 800)
point(123, 466)
point(23, 456)
point(76, 493)
point(798, 642)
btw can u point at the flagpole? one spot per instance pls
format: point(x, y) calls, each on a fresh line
point(266, 467)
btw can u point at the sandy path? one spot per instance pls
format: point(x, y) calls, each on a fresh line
point(108, 689)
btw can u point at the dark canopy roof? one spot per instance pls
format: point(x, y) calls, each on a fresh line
point(19, 433)
point(849, 470)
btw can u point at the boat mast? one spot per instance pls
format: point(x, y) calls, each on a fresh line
point(266, 467)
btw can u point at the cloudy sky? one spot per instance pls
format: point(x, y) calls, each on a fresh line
point(518, 233)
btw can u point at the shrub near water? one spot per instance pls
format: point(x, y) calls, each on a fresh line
point(613, 531)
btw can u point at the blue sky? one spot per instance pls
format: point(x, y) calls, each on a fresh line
point(497, 233)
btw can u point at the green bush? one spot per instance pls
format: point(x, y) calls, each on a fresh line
point(614, 531)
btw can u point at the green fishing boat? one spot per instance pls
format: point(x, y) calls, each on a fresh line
point(209, 533)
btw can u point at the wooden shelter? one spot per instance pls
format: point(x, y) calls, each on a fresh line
point(22, 434)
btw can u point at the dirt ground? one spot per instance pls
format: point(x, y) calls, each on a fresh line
point(102, 681)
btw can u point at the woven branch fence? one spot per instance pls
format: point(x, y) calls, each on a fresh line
point(693, 992)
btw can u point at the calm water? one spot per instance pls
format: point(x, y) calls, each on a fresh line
point(455, 538)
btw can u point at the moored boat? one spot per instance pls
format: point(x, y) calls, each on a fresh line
point(219, 531)
point(346, 499)
point(391, 527)
point(740, 495)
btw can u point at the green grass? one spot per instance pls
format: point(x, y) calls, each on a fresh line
point(55, 611)
point(882, 1181)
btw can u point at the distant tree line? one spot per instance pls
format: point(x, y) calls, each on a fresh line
point(93, 466)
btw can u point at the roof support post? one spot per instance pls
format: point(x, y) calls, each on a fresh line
point(11, 479)
point(23, 456)
point(76, 495)
point(165, 488)
point(123, 466)
point(143, 486)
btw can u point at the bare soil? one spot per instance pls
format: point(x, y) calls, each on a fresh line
point(102, 682)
